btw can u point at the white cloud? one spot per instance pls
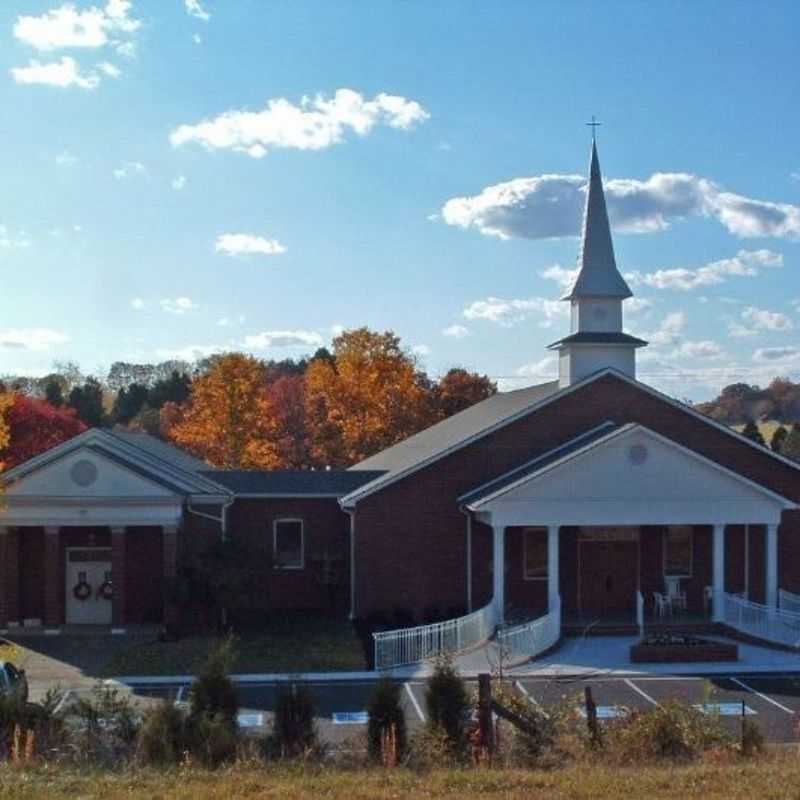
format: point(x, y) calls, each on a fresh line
point(314, 124)
point(739, 331)
point(194, 9)
point(62, 74)
point(246, 244)
point(546, 369)
point(337, 330)
point(179, 183)
point(129, 169)
point(565, 278)
point(137, 304)
point(636, 305)
point(421, 350)
point(762, 319)
point(747, 263)
point(267, 339)
point(37, 339)
point(197, 38)
point(66, 159)
point(456, 331)
point(670, 330)
point(108, 69)
point(67, 27)
point(510, 312)
point(551, 206)
point(13, 240)
point(180, 305)
point(780, 354)
point(702, 349)
point(192, 352)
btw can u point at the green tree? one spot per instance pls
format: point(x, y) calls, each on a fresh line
point(174, 389)
point(778, 439)
point(752, 432)
point(791, 446)
point(53, 393)
point(87, 400)
point(129, 402)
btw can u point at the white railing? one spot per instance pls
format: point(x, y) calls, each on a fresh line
point(411, 645)
point(640, 612)
point(788, 601)
point(771, 624)
point(532, 638)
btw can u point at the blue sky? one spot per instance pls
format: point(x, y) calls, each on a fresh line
point(167, 191)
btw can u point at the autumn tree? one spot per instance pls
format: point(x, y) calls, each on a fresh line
point(34, 426)
point(460, 389)
point(791, 445)
point(368, 398)
point(6, 399)
point(228, 420)
point(286, 407)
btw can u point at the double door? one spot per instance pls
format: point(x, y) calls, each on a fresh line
point(88, 586)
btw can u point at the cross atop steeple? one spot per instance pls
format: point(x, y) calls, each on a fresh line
point(594, 126)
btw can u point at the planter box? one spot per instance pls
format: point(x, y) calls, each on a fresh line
point(681, 649)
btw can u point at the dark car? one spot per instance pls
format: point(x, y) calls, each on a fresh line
point(13, 681)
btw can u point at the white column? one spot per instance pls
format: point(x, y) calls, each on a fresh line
point(771, 591)
point(718, 579)
point(552, 566)
point(499, 570)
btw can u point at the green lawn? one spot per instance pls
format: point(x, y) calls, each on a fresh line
point(776, 777)
point(291, 645)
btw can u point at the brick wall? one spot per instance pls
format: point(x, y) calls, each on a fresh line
point(411, 537)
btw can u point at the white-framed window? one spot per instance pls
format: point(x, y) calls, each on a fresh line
point(288, 544)
point(534, 554)
point(678, 551)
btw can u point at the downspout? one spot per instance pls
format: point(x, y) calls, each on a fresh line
point(468, 515)
point(222, 519)
point(351, 512)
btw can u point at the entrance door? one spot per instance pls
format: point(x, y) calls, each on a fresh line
point(608, 578)
point(88, 586)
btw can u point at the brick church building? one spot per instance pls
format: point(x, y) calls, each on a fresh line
point(594, 488)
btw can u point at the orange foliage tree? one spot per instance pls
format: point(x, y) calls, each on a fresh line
point(228, 420)
point(459, 389)
point(368, 397)
point(6, 399)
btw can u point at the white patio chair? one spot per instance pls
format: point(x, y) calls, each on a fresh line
point(675, 597)
point(662, 607)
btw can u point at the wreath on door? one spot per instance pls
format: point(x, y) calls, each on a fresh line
point(82, 591)
point(106, 590)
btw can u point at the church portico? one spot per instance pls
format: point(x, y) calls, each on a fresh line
point(623, 517)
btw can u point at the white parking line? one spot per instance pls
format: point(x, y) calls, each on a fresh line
point(414, 702)
point(763, 696)
point(632, 685)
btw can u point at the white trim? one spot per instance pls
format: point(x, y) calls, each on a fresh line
point(626, 430)
point(289, 567)
point(382, 482)
point(469, 561)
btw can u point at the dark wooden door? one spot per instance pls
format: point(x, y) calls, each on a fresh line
point(608, 578)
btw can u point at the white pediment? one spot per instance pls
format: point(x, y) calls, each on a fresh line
point(87, 474)
point(632, 477)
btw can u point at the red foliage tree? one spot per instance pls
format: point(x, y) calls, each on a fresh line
point(35, 426)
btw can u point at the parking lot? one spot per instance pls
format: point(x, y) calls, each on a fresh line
point(773, 701)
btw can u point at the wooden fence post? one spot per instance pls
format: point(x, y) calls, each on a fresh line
point(485, 712)
point(591, 716)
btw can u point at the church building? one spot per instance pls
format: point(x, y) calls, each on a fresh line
point(593, 491)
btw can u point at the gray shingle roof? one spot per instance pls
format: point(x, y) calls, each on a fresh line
point(155, 447)
point(598, 337)
point(454, 430)
point(539, 463)
point(336, 483)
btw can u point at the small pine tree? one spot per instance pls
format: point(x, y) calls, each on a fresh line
point(385, 712)
point(213, 693)
point(778, 439)
point(751, 431)
point(791, 445)
point(293, 729)
point(448, 702)
point(54, 394)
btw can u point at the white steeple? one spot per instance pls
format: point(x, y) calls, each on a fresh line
point(596, 340)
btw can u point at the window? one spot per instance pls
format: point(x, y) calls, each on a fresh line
point(287, 544)
point(678, 552)
point(535, 553)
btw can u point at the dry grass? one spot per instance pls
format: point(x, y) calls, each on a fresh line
point(773, 776)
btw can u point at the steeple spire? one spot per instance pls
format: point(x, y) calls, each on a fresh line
point(598, 275)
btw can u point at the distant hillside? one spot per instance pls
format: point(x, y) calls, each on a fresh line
point(741, 402)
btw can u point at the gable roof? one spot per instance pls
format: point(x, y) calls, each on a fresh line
point(166, 465)
point(537, 464)
point(587, 442)
point(292, 483)
point(161, 450)
point(430, 445)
